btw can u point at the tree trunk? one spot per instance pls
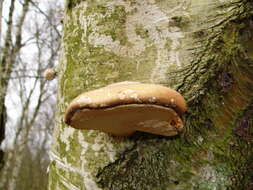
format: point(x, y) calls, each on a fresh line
point(8, 57)
point(1, 15)
point(203, 49)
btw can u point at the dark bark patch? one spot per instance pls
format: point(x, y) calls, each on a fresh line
point(250, 187)
point(208, 123)
point(72, 3)
point(244, 126)
point(225, 81)
point(146, 166)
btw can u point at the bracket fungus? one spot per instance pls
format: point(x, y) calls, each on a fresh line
point(122, 108)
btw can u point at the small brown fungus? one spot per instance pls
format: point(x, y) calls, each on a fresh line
point(123, 108)
point(49, 74)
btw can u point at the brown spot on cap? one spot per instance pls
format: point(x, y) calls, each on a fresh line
point(124, 108)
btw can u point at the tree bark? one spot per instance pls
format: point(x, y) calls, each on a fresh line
point(203, 49)
point(3, 82)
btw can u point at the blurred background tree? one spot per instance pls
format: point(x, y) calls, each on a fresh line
point(30, 33)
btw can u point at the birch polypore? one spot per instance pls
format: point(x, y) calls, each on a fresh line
point(121, 109)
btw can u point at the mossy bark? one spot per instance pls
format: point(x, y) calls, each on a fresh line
point(201, 48)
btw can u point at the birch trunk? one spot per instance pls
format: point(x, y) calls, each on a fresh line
point(202, 49)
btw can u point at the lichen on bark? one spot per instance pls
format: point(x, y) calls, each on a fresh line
point(201, 48)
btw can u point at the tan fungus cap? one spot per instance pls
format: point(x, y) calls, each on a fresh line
point(49, 74)
point(123, 108)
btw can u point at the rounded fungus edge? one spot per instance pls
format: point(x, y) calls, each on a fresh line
point(122, 109)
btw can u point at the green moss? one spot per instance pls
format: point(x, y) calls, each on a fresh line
point(88, 61)
point(74, 151)
point(114, 24)
point(52, 176)
point(141, 31)
point(167, 5)
point(75, 178)
point(171, 170)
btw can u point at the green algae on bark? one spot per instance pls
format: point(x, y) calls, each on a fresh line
point(110, 41)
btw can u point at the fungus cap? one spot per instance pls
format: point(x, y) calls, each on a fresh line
point(49, 74)
point(123, 108)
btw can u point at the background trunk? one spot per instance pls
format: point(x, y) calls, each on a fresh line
point(8, 55)
point(201, 48)
point(30, 34)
